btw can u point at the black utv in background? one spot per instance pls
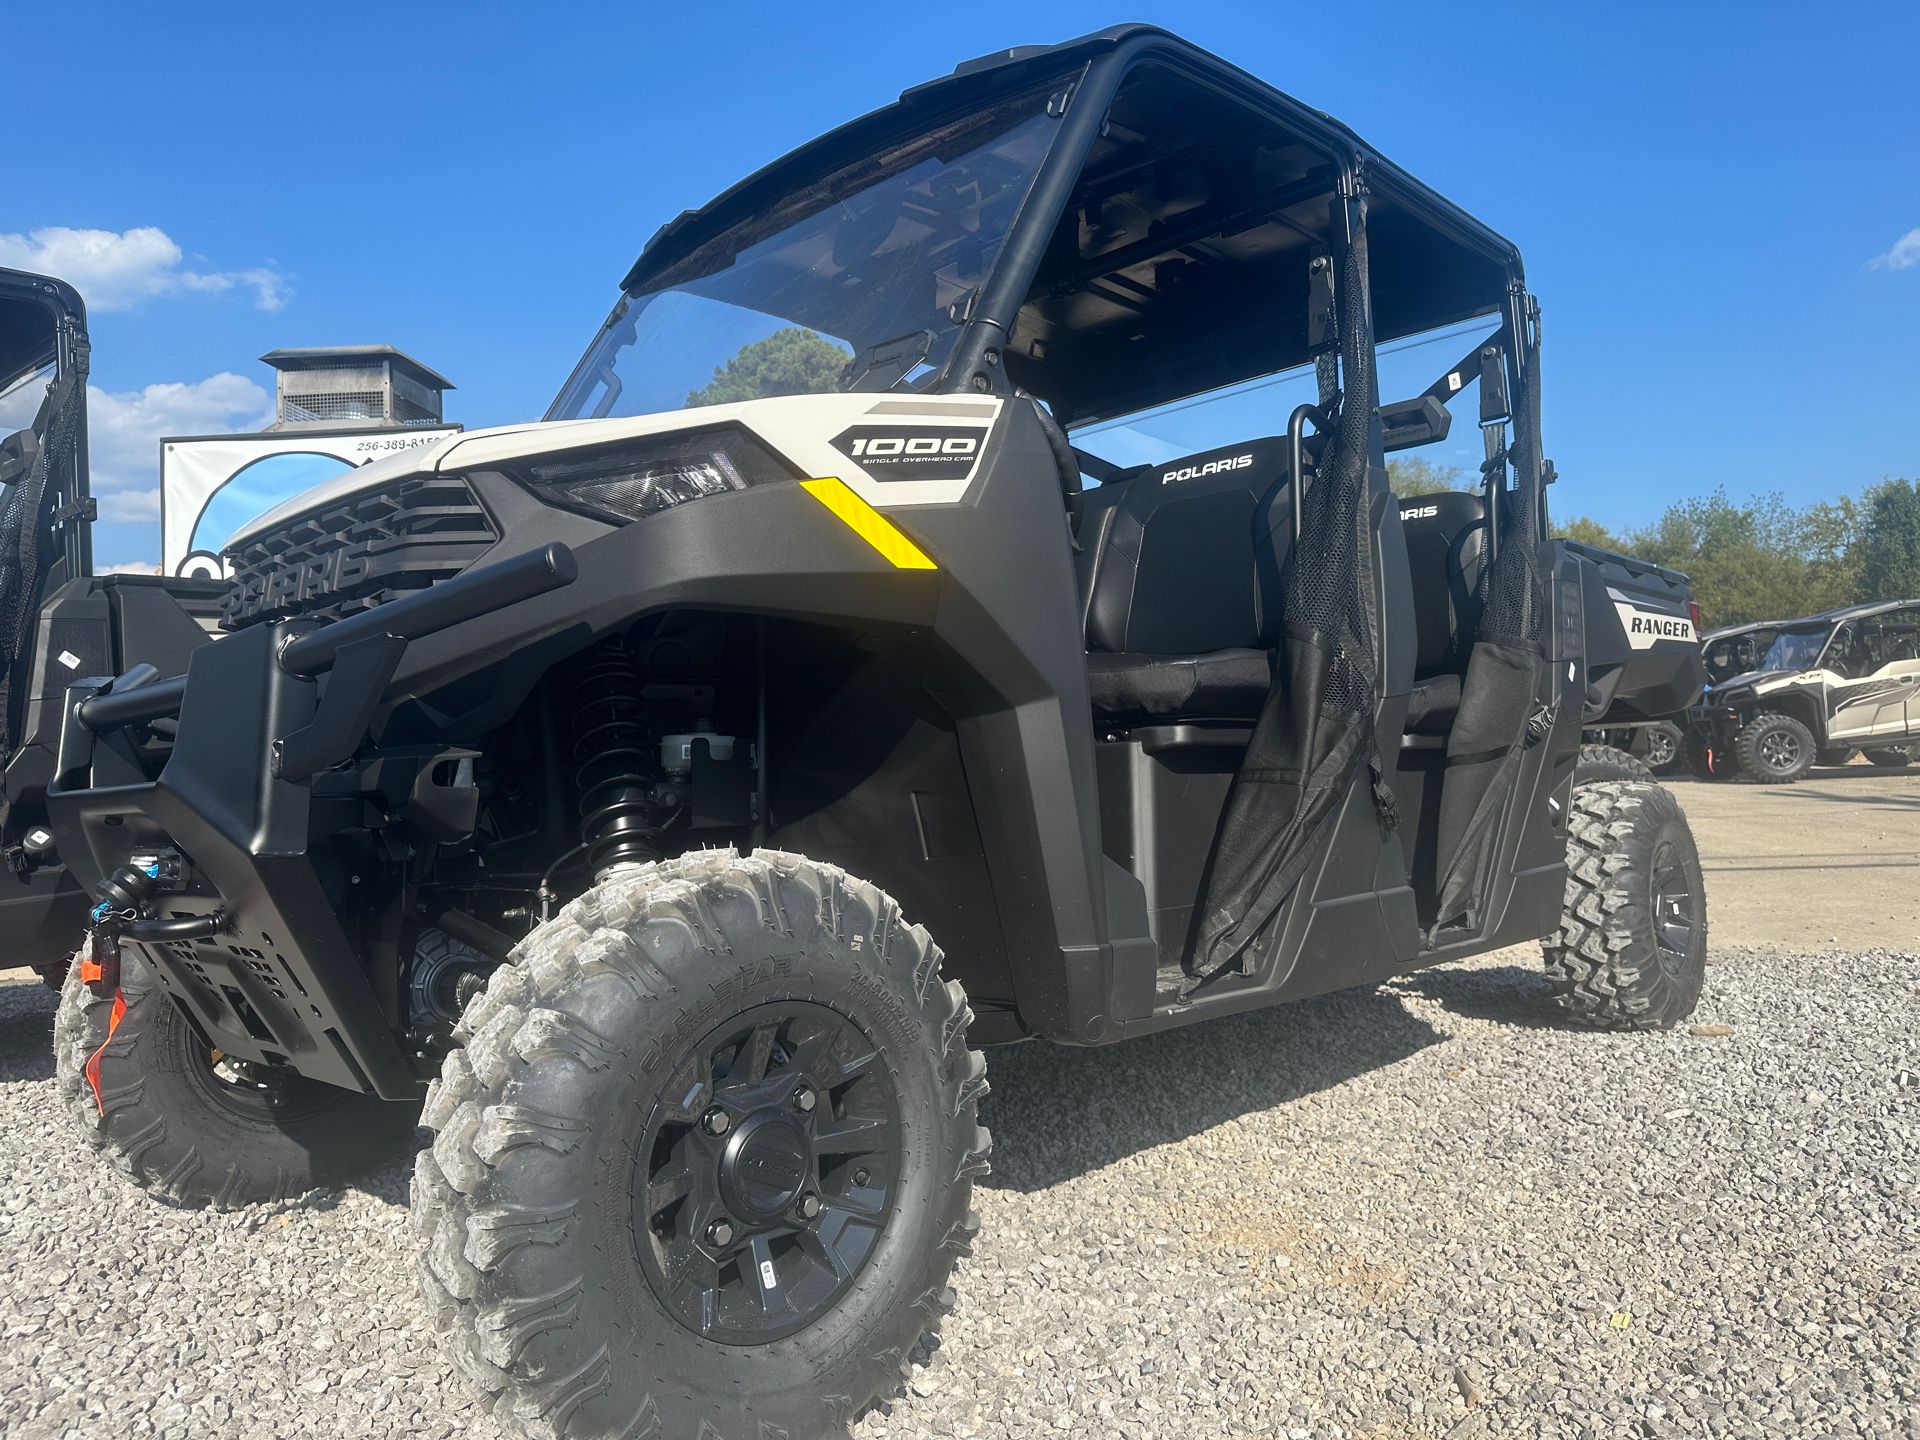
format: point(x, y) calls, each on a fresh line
point(765, 758)
point(1646, 670)
point(59, 621)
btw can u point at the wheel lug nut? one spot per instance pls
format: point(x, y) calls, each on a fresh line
point(720, 1233)
point(809, 1207)
point(805, 1099)
point(715, 1122)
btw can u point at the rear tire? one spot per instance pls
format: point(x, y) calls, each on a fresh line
point(1774, 749)
point(570, 1208)
point(1631, 950)
point(149, 1095)
point(1598, 763)
point(1892, 757)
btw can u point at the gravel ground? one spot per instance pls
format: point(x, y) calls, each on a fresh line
point(1424, 1211)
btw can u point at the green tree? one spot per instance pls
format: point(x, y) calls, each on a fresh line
point(793, 361)
point(1828, 534)
point(1589, 532)
point(1747, 561)
point(1887, 550)
point(1422, 477)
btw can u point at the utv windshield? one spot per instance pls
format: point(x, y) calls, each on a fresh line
point(1794, 650)
point(851, 283)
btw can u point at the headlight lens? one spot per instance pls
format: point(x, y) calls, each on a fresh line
point(643, 477)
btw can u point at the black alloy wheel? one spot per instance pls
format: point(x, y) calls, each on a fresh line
point(768, 1175)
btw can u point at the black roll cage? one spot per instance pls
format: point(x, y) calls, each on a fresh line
point(1505, 362)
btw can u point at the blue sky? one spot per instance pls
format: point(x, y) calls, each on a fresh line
point(1701, 192)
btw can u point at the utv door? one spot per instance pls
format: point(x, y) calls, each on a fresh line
point(1878, 660)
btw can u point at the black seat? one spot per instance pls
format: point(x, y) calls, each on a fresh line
point(1446, 548)
point(1180, 584)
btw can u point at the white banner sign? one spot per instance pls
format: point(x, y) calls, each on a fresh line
point(212, 485)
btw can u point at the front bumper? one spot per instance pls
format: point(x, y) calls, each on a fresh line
point(284, 982)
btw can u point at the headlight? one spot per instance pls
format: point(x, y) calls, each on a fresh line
point(642, 477)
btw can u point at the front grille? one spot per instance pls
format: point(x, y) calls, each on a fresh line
point(359, 552)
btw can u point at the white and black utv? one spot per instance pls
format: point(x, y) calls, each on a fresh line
point(1817, 690)
point(677, 793)
point(58, 621)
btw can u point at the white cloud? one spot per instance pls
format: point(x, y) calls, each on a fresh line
point(128, 567)
point(1904, 255)
point(20, 404)
point(117, 269)
point(124, 429)
point(136, 505)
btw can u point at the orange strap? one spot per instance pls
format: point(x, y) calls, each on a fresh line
point(93, 1061)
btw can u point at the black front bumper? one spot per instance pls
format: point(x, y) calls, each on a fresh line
point(283, 983)
point(262, 717)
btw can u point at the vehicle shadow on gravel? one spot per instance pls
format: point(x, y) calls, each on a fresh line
point(26, 1033)
point(1804, 791)
point(1058, 1112)
point(1511, 995)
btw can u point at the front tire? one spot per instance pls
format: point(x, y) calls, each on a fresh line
point(197, 1129)
point(1774, 749)
point(632, 1220)
point(1599, 763)
point(1631, 950)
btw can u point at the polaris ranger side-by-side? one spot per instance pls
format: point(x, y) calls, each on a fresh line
point(1816, 689)
point(797, 721)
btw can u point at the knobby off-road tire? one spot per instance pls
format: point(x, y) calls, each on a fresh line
point(153, 1100)
point(1892, 757)
point(1631, 950)
point(582, 1095)
point(1606, 762)
point(1774, 749)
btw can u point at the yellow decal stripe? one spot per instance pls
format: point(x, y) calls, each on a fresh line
point(869, 524)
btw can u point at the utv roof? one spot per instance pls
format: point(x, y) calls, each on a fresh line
point(30, 309)
point(1005, 70)
point(1806, 622)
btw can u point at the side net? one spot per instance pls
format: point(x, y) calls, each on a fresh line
point(1316, 727)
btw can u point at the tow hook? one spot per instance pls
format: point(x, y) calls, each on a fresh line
point(120, 915)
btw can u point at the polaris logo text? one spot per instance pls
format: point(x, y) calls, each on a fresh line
point(913, 452)
point(1212, 467)
point(1421, 512)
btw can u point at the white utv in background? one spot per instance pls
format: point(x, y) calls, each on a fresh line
point(1823, 687)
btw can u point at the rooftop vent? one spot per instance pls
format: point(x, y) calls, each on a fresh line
point(353, 386)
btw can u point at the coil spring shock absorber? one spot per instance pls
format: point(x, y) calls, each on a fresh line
point(616, 760)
